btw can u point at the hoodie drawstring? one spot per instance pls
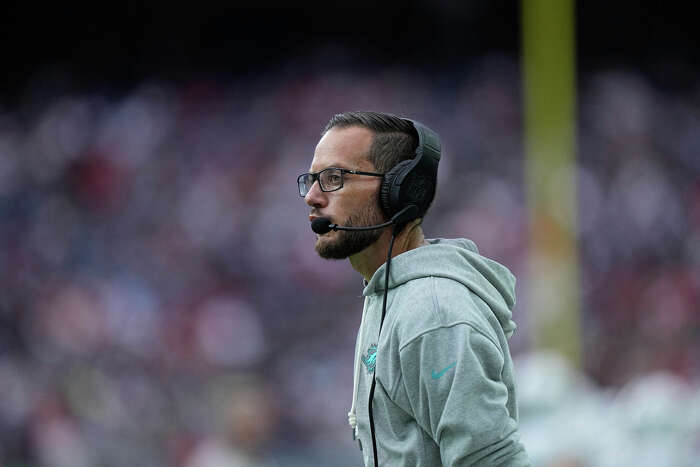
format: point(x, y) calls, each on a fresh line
point(352, 419)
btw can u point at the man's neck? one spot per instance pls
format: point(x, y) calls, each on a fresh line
point(371, 258)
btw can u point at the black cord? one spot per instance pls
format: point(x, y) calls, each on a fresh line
point(381, 322)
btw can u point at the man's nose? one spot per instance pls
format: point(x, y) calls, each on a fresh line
point(315, 197)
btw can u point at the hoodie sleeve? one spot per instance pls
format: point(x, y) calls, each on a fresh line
point(452, 381)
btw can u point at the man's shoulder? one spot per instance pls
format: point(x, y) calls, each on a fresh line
point(434, 302)
point(438, 293)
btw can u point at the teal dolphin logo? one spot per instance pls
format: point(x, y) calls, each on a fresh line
point(437, 375)
point(370, 360)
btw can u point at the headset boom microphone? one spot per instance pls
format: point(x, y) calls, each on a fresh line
point(322, 225)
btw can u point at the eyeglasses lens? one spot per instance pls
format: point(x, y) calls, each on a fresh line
point(305, 181)
point(331, 179)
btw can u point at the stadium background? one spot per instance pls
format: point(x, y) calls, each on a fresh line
point(161, 304)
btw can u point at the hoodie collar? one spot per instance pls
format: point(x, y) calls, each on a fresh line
point(401, 264)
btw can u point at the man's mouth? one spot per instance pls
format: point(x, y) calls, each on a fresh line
point(316, 216)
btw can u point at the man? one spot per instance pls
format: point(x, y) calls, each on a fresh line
point(433, 379)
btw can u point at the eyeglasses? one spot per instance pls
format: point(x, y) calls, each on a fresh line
point(329, 179)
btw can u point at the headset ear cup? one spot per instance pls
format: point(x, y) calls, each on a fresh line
point(384, 192)
point(417, 189)
point(388, 194)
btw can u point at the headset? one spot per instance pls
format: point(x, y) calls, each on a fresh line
point(412, 182)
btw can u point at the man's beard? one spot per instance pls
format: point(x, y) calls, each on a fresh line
point(349, 242)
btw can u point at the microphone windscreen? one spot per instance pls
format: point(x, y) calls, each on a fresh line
point(321, 225)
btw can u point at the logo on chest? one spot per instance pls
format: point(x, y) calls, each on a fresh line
point(370, 360)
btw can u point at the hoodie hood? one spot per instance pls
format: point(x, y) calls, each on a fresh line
point(459, 260)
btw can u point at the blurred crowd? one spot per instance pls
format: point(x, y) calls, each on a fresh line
point(162, 304)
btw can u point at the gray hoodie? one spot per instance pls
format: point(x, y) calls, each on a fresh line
point(445, 392)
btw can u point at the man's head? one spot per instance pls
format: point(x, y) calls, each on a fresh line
point(363, 141)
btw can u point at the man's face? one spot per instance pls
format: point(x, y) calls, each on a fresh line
point(356, 204)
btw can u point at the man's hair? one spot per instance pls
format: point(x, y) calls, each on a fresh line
point(395, 139)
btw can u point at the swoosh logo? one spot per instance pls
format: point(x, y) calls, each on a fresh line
point(438, 375)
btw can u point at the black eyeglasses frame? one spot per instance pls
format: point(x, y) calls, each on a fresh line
point(317, 177)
